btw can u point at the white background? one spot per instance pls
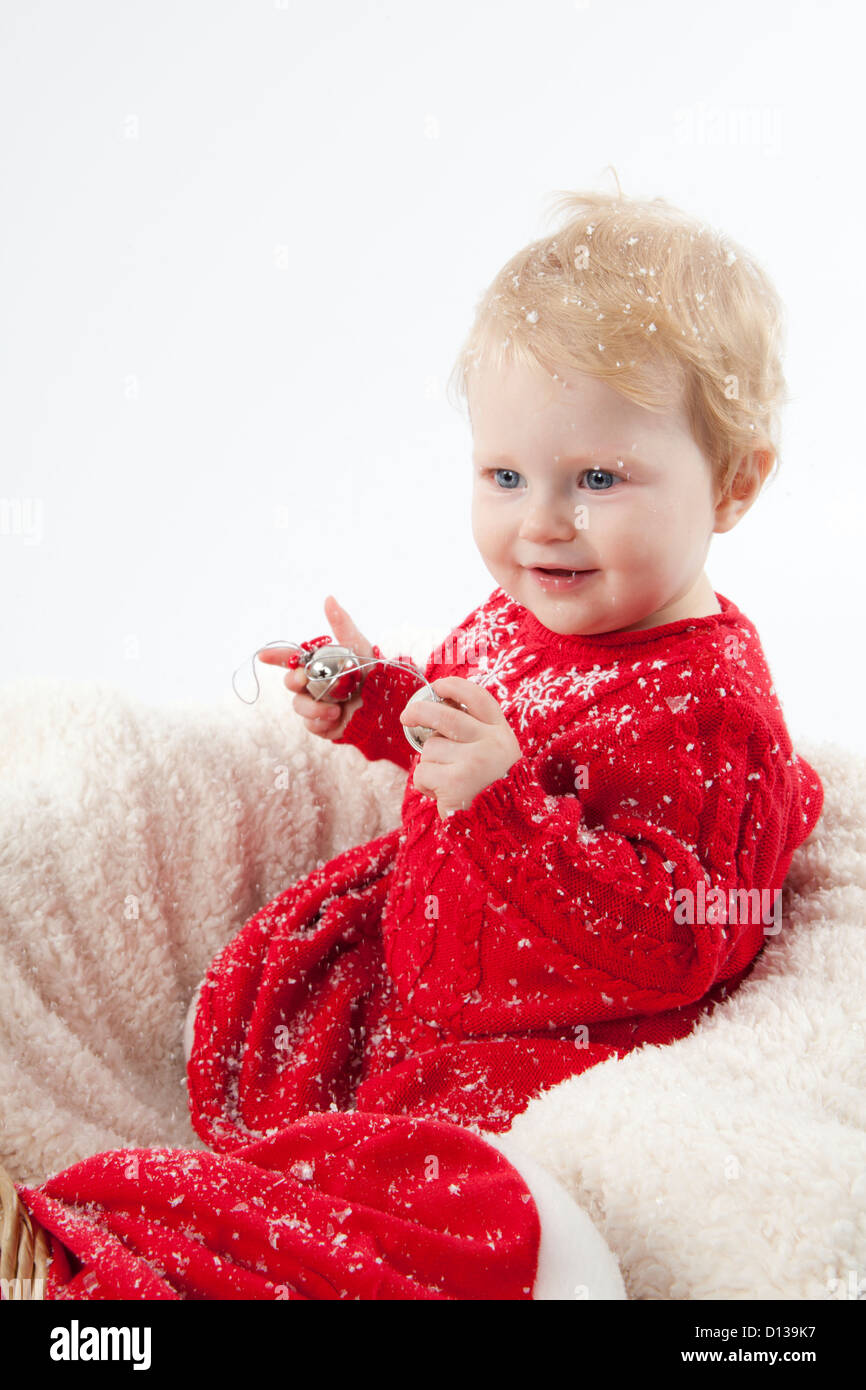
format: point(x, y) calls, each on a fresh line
point(242, 243)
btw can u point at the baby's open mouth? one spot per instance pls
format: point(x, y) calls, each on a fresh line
point(548, 577)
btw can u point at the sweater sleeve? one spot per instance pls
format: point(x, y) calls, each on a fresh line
point(375, 726)
point(605, 849)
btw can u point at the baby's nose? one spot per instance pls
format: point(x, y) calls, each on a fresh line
point(550, 521)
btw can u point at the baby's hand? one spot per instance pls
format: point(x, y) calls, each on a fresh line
point(470, 747)
point(322, 717)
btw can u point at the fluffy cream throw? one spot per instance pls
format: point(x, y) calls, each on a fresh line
point(135, 840)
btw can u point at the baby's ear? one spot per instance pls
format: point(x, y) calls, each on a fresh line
point(752, 473)
point(764, 462)
point(743, 489)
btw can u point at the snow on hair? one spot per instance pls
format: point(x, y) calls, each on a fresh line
point(653, 302)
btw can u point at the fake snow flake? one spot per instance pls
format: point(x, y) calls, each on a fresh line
point(677, 703)
point(532, 316)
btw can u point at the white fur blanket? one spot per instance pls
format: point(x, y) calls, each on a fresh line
point(136, 840)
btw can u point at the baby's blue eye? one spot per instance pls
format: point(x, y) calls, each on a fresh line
point(511, 473)
point(600, 473)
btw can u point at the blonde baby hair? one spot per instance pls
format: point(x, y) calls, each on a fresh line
point(655, 303)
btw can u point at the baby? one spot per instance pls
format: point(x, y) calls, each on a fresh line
point(594, 839)
point(592, 842)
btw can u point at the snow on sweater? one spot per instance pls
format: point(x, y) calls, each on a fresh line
point(583, 904)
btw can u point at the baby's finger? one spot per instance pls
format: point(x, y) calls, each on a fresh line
point(321, 726)
point(308, 708)
point(345, 630)
point(278, 656)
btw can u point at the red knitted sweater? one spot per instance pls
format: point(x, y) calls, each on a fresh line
point(583, 904)
point(433, 981)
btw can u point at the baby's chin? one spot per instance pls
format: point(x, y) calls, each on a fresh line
point(563, 614)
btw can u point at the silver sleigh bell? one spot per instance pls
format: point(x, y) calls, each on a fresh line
point(335, 673)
